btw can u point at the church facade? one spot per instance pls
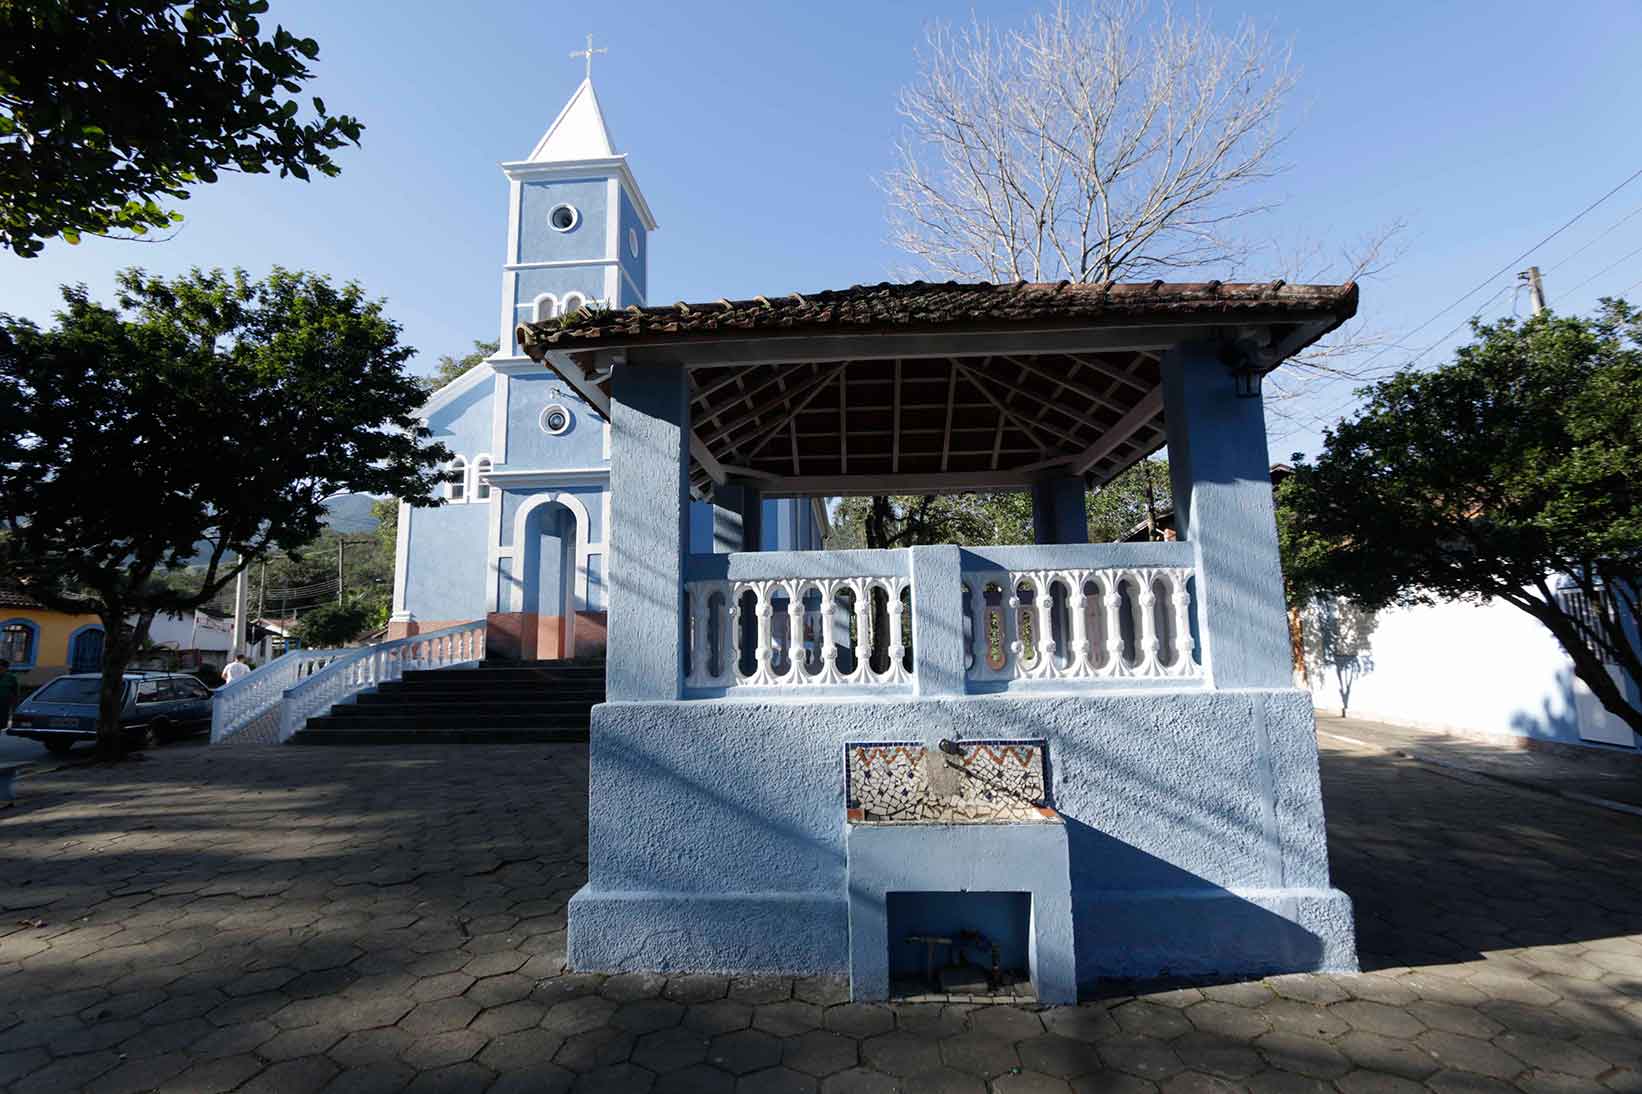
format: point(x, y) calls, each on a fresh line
point(521, 537)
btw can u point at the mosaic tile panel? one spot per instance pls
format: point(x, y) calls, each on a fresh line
point(981, 782)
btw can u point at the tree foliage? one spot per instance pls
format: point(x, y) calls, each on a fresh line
point(204, 419)
point(450, 368)
point(1511, 473)
point(111, 109)
point(1001, 518)
point(332, 625)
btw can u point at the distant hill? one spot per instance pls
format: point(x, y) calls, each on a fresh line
point(350, 513)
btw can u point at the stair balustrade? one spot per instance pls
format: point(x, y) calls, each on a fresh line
point(253, 696)
point(357, 670)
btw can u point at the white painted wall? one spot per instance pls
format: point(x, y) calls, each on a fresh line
point(1475, 668)
point(179, 632)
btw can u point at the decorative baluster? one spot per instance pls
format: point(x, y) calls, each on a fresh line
point(1076, 604)
point(1113, 601)
point(695, 653)
point(797, 670)
point(1043, 611)
point(1014, 650)
point(1185, 648)
point(828, 626)
point(863, 630)
point(1146, 625)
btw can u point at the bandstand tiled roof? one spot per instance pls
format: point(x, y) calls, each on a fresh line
point(915, 388)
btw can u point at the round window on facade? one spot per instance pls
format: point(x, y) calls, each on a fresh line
point(633, 241)
point(555, 419)
point(563, 217)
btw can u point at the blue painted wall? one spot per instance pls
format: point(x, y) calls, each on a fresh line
point(540, 242)
point(592, 497)
point(635, 267)
point(582, 445)
point(463, 424)
point(445, 574)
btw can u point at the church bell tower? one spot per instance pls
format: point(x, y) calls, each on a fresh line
point(579, 229)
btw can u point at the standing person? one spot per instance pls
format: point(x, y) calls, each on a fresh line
point(10, 688)
point(237, 668)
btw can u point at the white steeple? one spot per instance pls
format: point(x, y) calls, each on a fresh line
point(578, 133)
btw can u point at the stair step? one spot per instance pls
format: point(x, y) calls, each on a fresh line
point(438, 736)
point(389, 693)
point(472, 711)
point(469, 720)
point(478, 679)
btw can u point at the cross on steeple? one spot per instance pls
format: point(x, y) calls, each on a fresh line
point(588, 53)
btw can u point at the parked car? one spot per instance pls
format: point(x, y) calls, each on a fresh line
point(157, 707)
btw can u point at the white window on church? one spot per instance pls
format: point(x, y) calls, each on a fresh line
point(481, 488)
point(555, 419)
point(563, 217)
point(456, 480)
point(574, 302)
point(547, 306)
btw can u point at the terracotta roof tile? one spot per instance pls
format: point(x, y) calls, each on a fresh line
point(921, 305)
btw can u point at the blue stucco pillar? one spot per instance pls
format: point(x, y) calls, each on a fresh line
point(938, 644)
point(1058, 513)
point(1222, 500)
point(649, 513)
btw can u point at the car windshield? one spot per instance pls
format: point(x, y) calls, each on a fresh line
point(69, 689)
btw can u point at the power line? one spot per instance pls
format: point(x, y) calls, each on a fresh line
point(1605, 269)
point(1594, 240)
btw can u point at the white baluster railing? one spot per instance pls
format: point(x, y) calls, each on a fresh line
point(235, 706)
point(831, 642)
point(1093, 623)
point(356, 670)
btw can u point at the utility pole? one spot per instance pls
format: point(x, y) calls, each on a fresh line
point(1536, 288)
point(340, 543)
point(237, 646)
point(262, 593)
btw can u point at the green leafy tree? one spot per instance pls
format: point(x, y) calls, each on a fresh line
point(204, 418)
point(450, 368)
point(112, 109)
point(331, 625)
point(1504, 474)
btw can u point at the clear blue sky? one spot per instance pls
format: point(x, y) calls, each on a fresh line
point(756, 132)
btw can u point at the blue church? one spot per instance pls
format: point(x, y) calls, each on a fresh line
point(520, 540)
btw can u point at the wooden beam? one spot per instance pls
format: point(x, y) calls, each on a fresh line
point(951, 395)
point(895, 428)
point(912, 482)
point(1020, 422)
point(1149, 407)
point(1097, 365)
point(844, 422)
point(793, 411)
point(1068, 382)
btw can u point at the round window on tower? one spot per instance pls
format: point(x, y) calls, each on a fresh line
point(563, 217)
point(555, 419)
point(633, 241)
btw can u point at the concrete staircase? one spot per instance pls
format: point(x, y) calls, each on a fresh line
point(499, 702)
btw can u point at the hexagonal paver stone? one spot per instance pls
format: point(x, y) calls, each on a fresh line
point(496, 991)
point(787, 1019)
point(1456, 1052)
point(1302, 1055)
point(1008, 1023)
point(1274, 1081)
point(696, 988)
point(436, 1050)
point(1305, 1019)
point(615, 1079)
point(439, 1016)
point(1467, 1082)
point(700, 1079)
point(1152, 1020)
point(943, 1080)
point(595, 1049)
point(134, 1076)
point(1111, 1082)
point(370, 1048)
point(1454, 1019)
point(1375, 1082)
point(823, 991)
point(1088, 1022)
point(1378, 1018)
point(520, 1051)
point(777, 1080)
point(901, 1054)
point(455, 1079)
point(858, 1080)
point(1059, 1056)
point(1616, 1049)
point(630, 987)
point(216, 1076)
point(1377, 1052)
point(309, 1073)
point(1213, 1016)
point(722, 1016)
point(759, 990)
point(513, 1016)
point(1217, 1054)
point(1253, 994)
point(1308, 988)
point(859, 1019)
point(1552, 1055)
point(1142, 1057)
point(1030, 1082)
point(71, 1073)
point(978, 1054)
point(744, 1051)
point(293, 1044)
point(646, 1015)
point(1196, 1082)
point(670, 1049)
point(820, 1053)
point(579, 1015)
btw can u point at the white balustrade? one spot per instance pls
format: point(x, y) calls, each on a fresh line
point(355, 670)
point(237, 705)
point(1080, 624)
point(798, 632)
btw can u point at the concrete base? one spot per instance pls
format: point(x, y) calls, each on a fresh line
point(967, 858)
point(1193, 826)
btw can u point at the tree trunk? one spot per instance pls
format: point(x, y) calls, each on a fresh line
point(1587, 665)
point(879, 515)
point(118, 647)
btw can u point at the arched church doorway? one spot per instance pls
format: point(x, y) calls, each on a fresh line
point(548, 554)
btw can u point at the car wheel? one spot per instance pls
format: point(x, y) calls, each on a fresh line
point(58, 747)
point(140, 739)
